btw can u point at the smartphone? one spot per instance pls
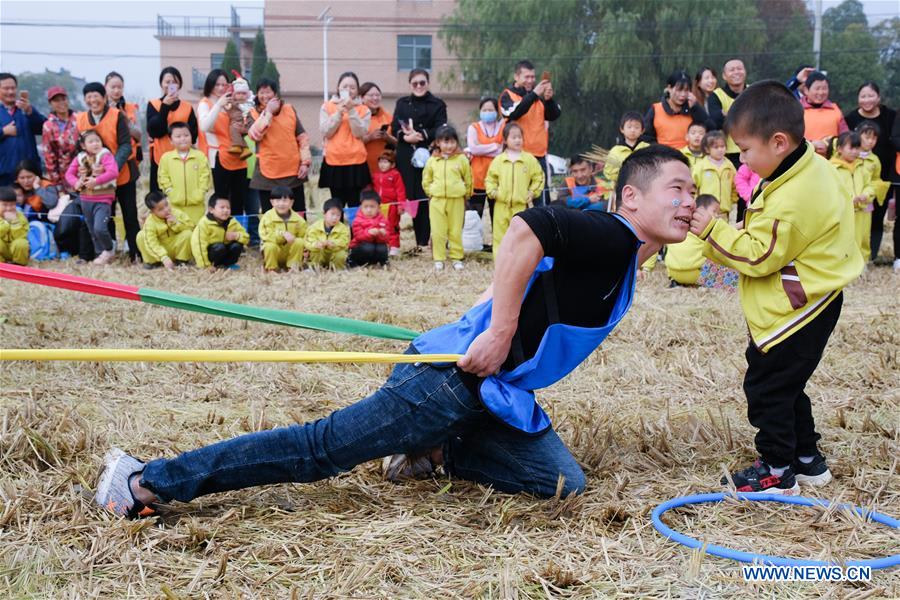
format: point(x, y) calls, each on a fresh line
point(173, 89)
point(385, 127)
point(345, 94)
point(23, 94)
point(229, 89)
point(545, 76)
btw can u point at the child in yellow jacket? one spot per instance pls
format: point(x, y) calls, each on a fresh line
point(855, 180)
point(714, 174)
point(631, 128)
point(282, 232)
point(795, 253)
point(13, 230)
point(447, 181)
point(685, 263)
point(218, 240)
point(328, 239)
point(165, 238)
point(184, 174)
point(868, 137)
point(694, 149)
point(513, 180)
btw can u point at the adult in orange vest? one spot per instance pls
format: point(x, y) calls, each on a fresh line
point(115, 131)
point(228, 170)
point(282, 147)
point(822, 117)
point(667, 121)
point(484, 141)
point(162, 112)
point(343, 121)
point(379, 137)
point(532, 107)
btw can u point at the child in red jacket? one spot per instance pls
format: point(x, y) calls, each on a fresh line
point(388, 184)
point(369, 245)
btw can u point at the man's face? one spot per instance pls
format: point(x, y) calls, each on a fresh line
point(664, 208)
point(581, 172)
point(181, 139)
point(8, 90)
point(735, 73)
point(525, 79)
point(221, 210)
point(95, 102)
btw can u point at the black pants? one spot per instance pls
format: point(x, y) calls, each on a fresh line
point(878, 228)
point(126, 198)
point(299, 205)
point(224, 255)
point(349, 196)
point(774, 384)
point(477, 201)
point(154, 170)
point(231, 185)
point(544, 198)
point(368, 253)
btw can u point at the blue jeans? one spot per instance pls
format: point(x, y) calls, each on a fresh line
point(420, 407)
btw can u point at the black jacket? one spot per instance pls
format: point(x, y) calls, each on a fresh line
point(427, 113)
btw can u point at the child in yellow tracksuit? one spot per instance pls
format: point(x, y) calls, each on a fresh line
point(328, 239)
point(513, 180)
point(165, 238)
point(795, 253)
point(631, 128)
point(694, 149)
point(282, 232)
point(447, 181)
point(184, 174)
point(868, 136)
point(218, 240)
point(714, 174)
point(13, 229)
point(685, 263)
point(856, 186)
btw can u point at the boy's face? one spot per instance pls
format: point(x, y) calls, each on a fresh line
point(447, 145)
point(384, 165)
point(695, 136)
point(222, 209)
point(181, 139)
point(717, 150)
point(868, 139)
point(162, 210)
point(7, 206)
point(282, 205)
point(711, 210)
point(762, 156)
point(332, 216)
point(632, 130)
point(849, 153)
point(368, 208)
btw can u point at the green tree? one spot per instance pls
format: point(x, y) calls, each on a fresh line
point(850, 51)
point(271, 72)
point(789, 39)
point(37, 85)
point(887, 33)
point(231, 60)
point(260, 58)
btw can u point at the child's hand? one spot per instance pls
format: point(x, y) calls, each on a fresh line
point(168, 263)
point(90, 183)
point(231, 236)
point(699, 221)
point(171, 219)
point(374, 231)
point(97, 169)
point(289, 237)
point(82, 171)
point(320, 245)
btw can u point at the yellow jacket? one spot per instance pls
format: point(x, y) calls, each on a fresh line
point(717, 181)
point(449, 177)
point(879, 186)
point(615, 158)
point(692, 158)
point(855, 180)
point(209, 231)
point(185, 182)
point(158, 230)
point(514, 182)
point(17, 230)
point(796, 252)
point(272, 227)
point(684, 259)
point(339, 236)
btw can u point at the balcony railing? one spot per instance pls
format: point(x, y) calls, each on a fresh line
point(186, 26)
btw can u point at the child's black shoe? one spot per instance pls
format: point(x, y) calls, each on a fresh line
point(759, 478)
point(815, 473)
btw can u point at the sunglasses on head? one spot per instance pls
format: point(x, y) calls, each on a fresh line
point(418, 83)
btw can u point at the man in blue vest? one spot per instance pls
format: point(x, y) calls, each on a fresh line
point(19, 123)
point(563, 280)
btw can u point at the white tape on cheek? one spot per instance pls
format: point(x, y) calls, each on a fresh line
point(676, 202)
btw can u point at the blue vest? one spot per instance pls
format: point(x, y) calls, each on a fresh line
point(509, 395)
point(580, 200)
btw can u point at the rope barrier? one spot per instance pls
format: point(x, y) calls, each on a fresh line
point(218, 356)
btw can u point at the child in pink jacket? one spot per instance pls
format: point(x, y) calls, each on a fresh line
point(93, 175)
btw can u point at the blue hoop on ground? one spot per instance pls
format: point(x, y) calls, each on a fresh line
point(723, 552)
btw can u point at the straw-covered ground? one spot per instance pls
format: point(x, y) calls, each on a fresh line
point(657, 412)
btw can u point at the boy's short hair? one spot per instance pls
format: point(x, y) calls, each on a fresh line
point(697, 124)
point(281, 191)
point(711, 136)
point(7, 194)
point(867, 126)
point(211, 203)
point(154, 198)
point(331, 203)
point(641, 166)
point(178, 125)
point(704, 200)
point(631, 115)
point(764, 108)
point(578, 159)
point(369, 195)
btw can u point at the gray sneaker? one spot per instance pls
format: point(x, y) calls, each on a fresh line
point(114, 491)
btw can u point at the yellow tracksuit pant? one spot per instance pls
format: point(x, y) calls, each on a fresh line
point(277, 256)
point(328, 257)
point(503, 214)
point(15, 252)
point(863, 222)
point(177, 248)
point(447, 216)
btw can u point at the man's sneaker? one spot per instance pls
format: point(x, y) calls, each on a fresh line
point(114, 490)
point(398, 467)
point(815, 473)
point(759, 478)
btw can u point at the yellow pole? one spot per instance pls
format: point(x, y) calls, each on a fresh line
point(162, 355)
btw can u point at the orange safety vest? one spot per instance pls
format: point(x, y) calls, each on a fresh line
point(376, 147)
point(131, 111)
point(222, 131)
point(533, 127)
point(159, 146)
point(344, 148)
point(108, 130)
point(35, 201)
point(278, 153)
point(822, 122)
point(671, 130)
point(480, 164)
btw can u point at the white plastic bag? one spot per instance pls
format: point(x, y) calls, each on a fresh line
point(472, 236)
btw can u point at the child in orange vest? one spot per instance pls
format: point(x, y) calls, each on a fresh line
point(388, 184)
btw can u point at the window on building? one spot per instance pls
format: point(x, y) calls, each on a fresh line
point(215, 60)
point(413, 52)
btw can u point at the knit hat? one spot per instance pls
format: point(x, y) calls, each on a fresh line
point(240, 85)
point(331, 203)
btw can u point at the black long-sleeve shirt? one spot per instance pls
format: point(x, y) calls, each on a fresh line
point(513, 111)
point(158, 120)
